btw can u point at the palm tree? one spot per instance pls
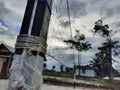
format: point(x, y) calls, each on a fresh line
point(96, 63)
point(101, 63)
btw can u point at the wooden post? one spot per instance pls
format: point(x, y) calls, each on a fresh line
point(30, 48)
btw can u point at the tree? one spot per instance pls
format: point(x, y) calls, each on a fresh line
point(96, 63)
point(53, 68)
point(109, 45)
point(100, 62)
point(44, 66)
point(79, 43)
point(61, 68)
point(69, 70)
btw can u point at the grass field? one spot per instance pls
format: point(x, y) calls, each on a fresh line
point(115, 84)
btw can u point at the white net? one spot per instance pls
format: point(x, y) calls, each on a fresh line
point(26, 72)
point(26, 69)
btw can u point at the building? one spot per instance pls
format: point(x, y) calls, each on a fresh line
point(86, 71)
point(6, 53)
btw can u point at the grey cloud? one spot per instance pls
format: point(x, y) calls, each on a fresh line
point(109, 11)
point(116, 27)
point(65, 24)
point(104, 8)
point(10, 18)
point(57, 37)
point(67, 58)
point(117, 9)
point(94, 1)
point(7, 36)
point(7, 33)
point(60, 48)
point(117, 24)
point(63, 55)
point(2, 5)
point(78, 8)
point(4, 11)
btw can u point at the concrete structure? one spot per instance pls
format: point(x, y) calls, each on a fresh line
point(30, 48)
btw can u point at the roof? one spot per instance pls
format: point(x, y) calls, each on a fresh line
point(86, 67)
point(11, 49)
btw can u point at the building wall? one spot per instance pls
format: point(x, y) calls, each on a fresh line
point(86, 72)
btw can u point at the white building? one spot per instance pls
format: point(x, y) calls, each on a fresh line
point(86, 71)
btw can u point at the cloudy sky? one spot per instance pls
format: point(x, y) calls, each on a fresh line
point(83, 15)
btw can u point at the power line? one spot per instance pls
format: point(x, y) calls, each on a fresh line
point(55, 59)
point(69, 17)
point(60, 13)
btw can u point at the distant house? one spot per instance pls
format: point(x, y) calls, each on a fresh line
point(6, 53)
point(86, 71)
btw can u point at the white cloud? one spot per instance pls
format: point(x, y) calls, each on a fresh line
point(7, 36)
point(3, 28)
point(17, 6)
point(94, 9)
point(11, 14)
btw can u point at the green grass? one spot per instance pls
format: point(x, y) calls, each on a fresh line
point(115, 84)
point(66, 75)
point(58, 74)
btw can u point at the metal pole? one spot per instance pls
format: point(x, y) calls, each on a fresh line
point(74, 72)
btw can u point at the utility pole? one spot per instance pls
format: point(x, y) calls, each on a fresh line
point(30, 48)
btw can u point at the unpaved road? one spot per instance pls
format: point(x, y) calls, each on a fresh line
point(4, 83)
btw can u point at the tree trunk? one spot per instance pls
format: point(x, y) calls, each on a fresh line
point(110, 62)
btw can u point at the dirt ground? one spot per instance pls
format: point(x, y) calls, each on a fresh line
point(4, 83)
point(53, 87)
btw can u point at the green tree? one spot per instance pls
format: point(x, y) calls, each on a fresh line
point(96, 63)
point(61, 68)
point(44, 66)
point(100, 62)
point(79, 43)
point(109, 45)
point(69, 70)
point(53, 68)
